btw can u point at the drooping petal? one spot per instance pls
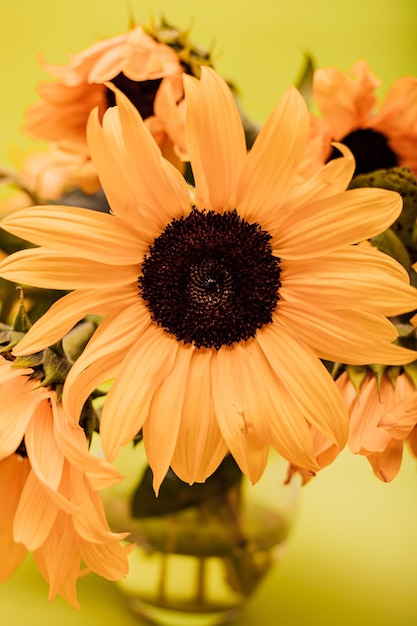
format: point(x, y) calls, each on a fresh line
point(14, 471)
point(18, 401)
point(108, 560)
point(89, 519)
point(35, 514)
point(215, 140)
point(46, 457)
point(272, 162)
point(386, 464)
point(71, 439)
point(58, 559)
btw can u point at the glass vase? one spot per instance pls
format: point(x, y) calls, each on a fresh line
point(197, 566)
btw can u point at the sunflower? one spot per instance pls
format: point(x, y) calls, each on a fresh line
point(381, 135)
point(382, 416)
point(49, 485)
point(139, 65)
point(218, 302)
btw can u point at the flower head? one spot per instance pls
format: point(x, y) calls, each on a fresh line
point(146, 69)
point(218, 302)
point(380, 135)
point(49, 489)
point(382, 415)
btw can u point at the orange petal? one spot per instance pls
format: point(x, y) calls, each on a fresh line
point(127, 406)
point(272, 162)
point(215, 140)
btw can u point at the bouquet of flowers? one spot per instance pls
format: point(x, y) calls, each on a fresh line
point(200, 286)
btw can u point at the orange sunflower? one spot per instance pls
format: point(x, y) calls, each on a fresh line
point(218, 302)
point(138, 65)
point(382, 416)
point(49, 486)
point(379, 137)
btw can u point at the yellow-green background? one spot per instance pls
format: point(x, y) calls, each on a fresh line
point(352, 557)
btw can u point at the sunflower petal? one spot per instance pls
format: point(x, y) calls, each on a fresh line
point(215, 140)
point(96, 236)
point(49, 269)
point(307, 380)
point(345, 336)
point(200, 446)
point(160, 431)
point(145, 366)
point(239, 411)
point(102, 356)
point(324, 225)
point(272, 162)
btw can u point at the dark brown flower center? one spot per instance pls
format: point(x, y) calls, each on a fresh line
point(140, 93)
point(370, 149)
point(211, 279)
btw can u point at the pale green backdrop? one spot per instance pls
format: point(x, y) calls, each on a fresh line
point(352, 557)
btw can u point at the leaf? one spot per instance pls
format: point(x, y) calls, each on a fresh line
point(175, 495)
point(304, 83)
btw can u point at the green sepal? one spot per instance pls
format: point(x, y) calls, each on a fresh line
point(89, 420)
point(378, 370)
point(392, 374)
point(30, 360)
point(55, 366)
point(356, 375)
point(9, 339)
point(411, 371)
point(21, 322)
point(175, 495)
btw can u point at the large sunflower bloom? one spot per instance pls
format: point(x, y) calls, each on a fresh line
point(219, 305)
point(49, 485)
point(380, 135)
point(137, 64)
point(382, 415)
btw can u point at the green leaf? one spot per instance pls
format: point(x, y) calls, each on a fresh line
point(391, 244)
point(304, 83)
point(21, 323)
point(401, 180)
point(175, 495)
point(411, 370)
point(356, 374)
